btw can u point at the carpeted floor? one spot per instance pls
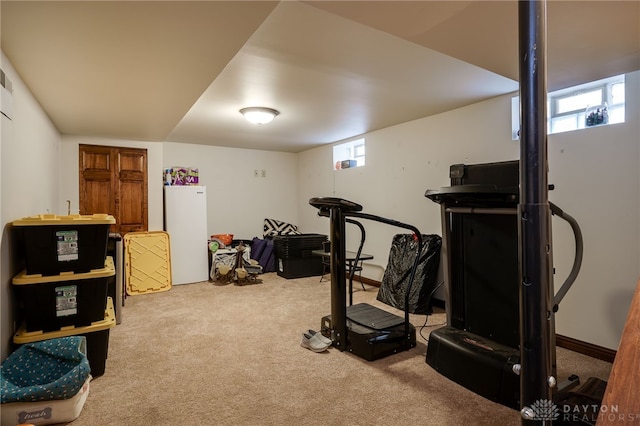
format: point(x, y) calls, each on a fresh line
point(209, 354)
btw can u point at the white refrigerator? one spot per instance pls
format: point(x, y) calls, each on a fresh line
point(185, 219)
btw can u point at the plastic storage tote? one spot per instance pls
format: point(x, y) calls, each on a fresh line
point(300, 267)
point(51, 302)
point(53, 244)
point(96, 334)
point(294, 258)
point(297, 246)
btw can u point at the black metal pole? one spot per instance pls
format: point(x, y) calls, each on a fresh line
point(536, 319)
point(338, 278)
point(356, 261)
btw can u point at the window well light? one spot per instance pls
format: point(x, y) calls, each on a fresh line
point(259, 115)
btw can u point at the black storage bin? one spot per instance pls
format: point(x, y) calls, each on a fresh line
point(294, 257)
point(97, 350)
point(296, 246)
point(299, 267)
point(51, 302)
point(54, 244)
point(97, 335)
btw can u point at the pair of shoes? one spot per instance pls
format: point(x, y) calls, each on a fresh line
point(320, 337)
point(315, 342)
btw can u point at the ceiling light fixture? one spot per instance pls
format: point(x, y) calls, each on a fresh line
point(259, 115)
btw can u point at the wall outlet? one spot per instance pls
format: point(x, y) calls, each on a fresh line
point(264, 173)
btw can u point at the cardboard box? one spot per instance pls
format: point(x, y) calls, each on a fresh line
point(347, 164)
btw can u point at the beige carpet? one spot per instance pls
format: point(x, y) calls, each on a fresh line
point(207, 354)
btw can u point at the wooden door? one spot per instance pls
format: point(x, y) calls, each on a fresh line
point(113, 180)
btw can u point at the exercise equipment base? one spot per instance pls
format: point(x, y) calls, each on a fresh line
point(482, 365)
point(479, 364)
point(372, 333)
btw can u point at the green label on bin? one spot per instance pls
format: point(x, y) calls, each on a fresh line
point(67, 245)
point(66, 300)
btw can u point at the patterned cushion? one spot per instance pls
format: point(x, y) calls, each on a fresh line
point(276, 227)
point(46, 370)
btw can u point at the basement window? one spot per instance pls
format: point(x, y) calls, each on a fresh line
point(597, 103)
point(349, 155)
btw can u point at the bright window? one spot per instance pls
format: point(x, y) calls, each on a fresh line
point(349, 154)
point(573, 102)
point(592, 104)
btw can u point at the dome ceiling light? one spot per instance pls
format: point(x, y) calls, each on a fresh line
point(259, 115)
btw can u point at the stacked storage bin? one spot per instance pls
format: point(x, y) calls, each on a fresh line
point(293, 255)
point(63, 290)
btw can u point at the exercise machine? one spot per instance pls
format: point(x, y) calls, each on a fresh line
point(480, 346)
point(362, 329)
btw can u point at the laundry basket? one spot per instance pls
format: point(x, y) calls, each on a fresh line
point(45, 382)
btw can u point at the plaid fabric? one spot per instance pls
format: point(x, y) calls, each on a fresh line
point(276, 227)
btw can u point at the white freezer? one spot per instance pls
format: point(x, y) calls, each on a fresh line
point(185, 219)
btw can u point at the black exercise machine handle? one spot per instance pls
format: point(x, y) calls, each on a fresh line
point(323, 211)
point(577, 260)
point(416, 262)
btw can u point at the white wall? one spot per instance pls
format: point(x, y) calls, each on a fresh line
point(233, 194)
point(402, 163)
point(29, 181)
point(237, 201)
point(595, 171)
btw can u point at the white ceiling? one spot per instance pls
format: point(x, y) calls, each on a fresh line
point(179, 71)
